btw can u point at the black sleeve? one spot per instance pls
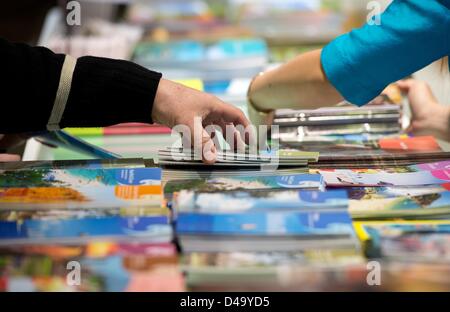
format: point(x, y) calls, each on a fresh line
point(104, 91)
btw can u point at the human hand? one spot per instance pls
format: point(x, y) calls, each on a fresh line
point(176, 104)
point(8, 157)
point(429, 117)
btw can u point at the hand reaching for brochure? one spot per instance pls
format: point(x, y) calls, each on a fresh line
point(429, 117)
point(179, 105)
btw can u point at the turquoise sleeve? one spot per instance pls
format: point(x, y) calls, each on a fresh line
point(412, 34)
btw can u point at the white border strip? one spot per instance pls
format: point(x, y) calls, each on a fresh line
point(65, 83)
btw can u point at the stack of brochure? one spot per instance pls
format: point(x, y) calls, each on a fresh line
point(105, 216)
point(188, 157)
point(306, 125)
point(276, 239)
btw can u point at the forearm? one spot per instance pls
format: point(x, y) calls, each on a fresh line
point(300, 83)
point(106, 92)
point(102, 91)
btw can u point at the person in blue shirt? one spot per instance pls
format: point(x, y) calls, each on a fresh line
point(359, 65)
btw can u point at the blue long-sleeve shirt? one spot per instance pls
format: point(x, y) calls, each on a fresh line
point(412, 35)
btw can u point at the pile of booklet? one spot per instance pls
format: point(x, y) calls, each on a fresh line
point(329, 212)
point(318, 227)
point(106, 217)
point(174, 156)
point(373, 121)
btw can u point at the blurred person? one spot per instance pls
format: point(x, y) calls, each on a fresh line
point(357, 66)
point(428, 116)
point(41, 90)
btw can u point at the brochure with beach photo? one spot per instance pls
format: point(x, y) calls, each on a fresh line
point(423, 206)
point(380, 192)
point(343, 177)
point(80, 177)
point(217, 184)
point(247, 201)
point(304, 223)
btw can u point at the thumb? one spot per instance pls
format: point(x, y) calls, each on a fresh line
point(202, 142)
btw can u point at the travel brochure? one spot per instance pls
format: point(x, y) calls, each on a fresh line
point(73, 229)
point(342, 177)
point(255, 200)
point(107, 266)
point(80, 177)
point(297, 181)
point(80, 188)
point(307, 223)
point(419, 206)
point(407, 241)
point(332, 205)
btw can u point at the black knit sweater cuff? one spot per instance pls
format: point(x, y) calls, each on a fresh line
point(106, 92)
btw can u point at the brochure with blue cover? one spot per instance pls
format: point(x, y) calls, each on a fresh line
point(258, 201)
point(78, 177)
point(306, 223)
point(41, 230)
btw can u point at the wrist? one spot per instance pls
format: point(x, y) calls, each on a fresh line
point(439, 121)
point(444, 125)
point(160, 102)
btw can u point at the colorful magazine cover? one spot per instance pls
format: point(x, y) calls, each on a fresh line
point(307, 223)
point(419, 143)
point(343, 177)
point(428, 205)
point(440, 165)
point(217, 184)
point(80, 177)
point(431, 166)
point(254, 201)
point(84, 229)
point(85, 197)
point(106, 266)
point(418, 241)
point(379, 192)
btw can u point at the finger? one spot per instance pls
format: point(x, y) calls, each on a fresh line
point(9, 157)
point(239, 144)
point(201, 142)
point(406, 84)
point(234, 115)
point(209, 151)
point(231, 135)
